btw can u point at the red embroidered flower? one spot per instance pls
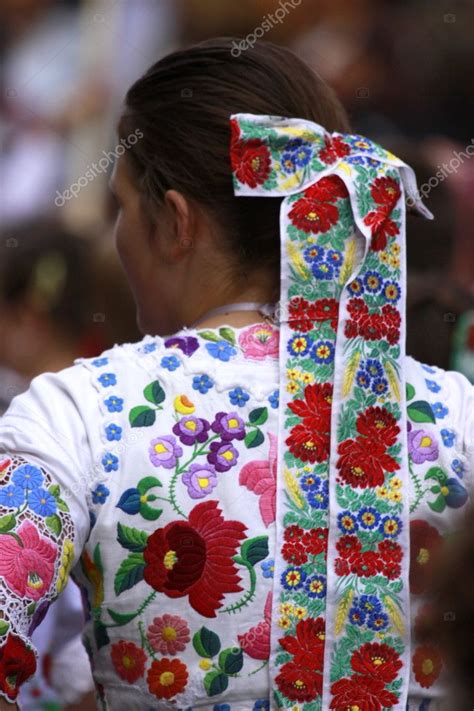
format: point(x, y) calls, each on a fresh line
point(378, 424)
point(128, 660)
point(298, 683)
point(357, 308)
point(311, 215)
point(382, 227)
point(346, 545)
point(364, 466)
point(385, 191)
point(325, 310)
point(362, 693)
point(194, 558)
point(365, 564)
point(17, 664)
point(391, 571)
point(299, 319)
point(334, 148)
point(167, 677)
point(377, 660)
point(309, 444)
point(251, 160)
point(316, 404)
point(392, 316)
point(293, 533)
point(307, 646)
point(372, 327)
point(390, 551)
point(341, 567)
point(329, 189)
point(315, 541)
point(425, 546)
point(427, 664)
point(294, 553)
point(351, 329)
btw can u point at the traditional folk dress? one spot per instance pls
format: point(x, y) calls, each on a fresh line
point(252, 513)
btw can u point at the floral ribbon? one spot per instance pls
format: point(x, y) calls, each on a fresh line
point(341, 596)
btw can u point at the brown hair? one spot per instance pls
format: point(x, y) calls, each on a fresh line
point(182, 105)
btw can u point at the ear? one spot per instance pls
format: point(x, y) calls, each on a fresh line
point(180, 217)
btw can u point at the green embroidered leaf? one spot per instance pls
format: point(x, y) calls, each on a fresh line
point(147, 483)
point(31, 608)
point(4, 627)
point(421, 411)
point(438, 505)
point(131, 538)
point(209, 336)
point(154, 392)
point(149, 513)
point(255, 549)
point(142, 416)
point(227, 334)
point(54, 524)
point(55, 490)
point(215, 683)
point(130, 573)
point(101, 635)
point(7, 523)
point(121, 618)
point(410, 392)
point(254, 438)
point(436, 473)
point(62, 505)
point(206, 643)
point(98, 558)
point(258, 416)
point(231, 660)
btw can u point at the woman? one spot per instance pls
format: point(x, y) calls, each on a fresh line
point(191, 480)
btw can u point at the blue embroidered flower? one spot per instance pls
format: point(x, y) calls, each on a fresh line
point(319, 498)
point(107, 379)
point(368, 517)
point(335, 257)
point(293, 578)
point(100, 494)
point(114, 403)
point(356, 287)
point(261, 705)
point(314, 254)
point(274, 399)
point(202, 383)
point(268, 568)
point(113, 432)
point(361, 160)
point(378, 621)
point(170, 362)
point(380, 386)
point(149, 348)
point(439, 410)
point(360, 144)
point(374, 368)
point(299, 150)
point(222, 350)
point(448, 437)
point(110, 462)
point(363, 379)
point(130, 501)
point(42, 502)
point(391, 526)
point(315, 586)
point(288, 163)
point(347, 522)
point(373, 282)
point(12, 496)
point(323, 352)
point(99, 362)
point(391, 291)
point(323, 271)
point(357, 616)
point(238, 397)
point(428, 368)
point(369, 604)
point(433, 386)
point(28, 477)
point(310, 482)
point(458, 467)
point(299, 345)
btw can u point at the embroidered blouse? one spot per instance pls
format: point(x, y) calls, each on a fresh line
point(150, 474)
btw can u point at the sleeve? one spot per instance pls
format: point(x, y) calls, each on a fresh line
point(45, 473)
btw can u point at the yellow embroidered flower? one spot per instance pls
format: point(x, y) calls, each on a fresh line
point(292, 387)
point(395, 483)
point(394, 262)
point(286, 608)
point(183, 405)
point(395, 248)
point(395, 496)
point(307, 378)
point(284, 622)
point(300, 612)
point(384, 257)
point(382, 491)
point(205, 664)
point(311, 240)
point(292, 374)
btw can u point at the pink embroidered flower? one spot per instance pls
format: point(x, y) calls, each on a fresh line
point(259, 342)
point(27, 561)
point(259, 476)
point(168, 634)
point(256, 642)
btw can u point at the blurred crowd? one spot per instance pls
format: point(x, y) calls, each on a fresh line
point(401, 67)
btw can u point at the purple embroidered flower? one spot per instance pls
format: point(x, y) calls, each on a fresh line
point(222, 455)
point(200, 480)
point(191, 429)
point(422, 446)
point(229, 426)
point(164, 451)
point(187, 344)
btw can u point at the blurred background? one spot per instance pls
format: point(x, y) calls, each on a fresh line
point(402, 68)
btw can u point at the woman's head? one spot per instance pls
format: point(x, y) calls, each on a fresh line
point(187, 243)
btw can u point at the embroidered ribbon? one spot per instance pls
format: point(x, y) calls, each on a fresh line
point(341, 597)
